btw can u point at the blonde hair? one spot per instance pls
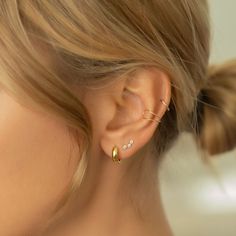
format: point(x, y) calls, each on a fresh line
point(95, 42)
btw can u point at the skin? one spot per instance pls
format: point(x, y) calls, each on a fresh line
point(34, 170)
point(34, 166)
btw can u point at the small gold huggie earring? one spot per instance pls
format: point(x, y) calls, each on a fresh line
point(115, 154)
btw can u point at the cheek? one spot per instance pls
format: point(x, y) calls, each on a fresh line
point(34, 167)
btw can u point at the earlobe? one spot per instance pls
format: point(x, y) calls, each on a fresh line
point(153, 91)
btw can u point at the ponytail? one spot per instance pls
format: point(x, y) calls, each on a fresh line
point(216, 109)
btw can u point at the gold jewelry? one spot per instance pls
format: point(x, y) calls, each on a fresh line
point(152, 114)
point(149, 112)
point(115, 154)
point(165, 104)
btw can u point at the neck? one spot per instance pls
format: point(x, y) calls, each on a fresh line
point(99, 208)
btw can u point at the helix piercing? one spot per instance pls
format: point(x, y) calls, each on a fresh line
point(162, 101)
point(152, 114)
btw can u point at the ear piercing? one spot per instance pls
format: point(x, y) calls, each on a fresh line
point(115, 152)
point(146, 114)
point(124, 147)
point(149, 115)
point(161, 100)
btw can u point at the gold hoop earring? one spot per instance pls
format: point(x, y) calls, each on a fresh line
point(115, 154)
point(162, 101)
point(152, 114)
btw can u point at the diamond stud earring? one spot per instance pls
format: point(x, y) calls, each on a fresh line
point(126, 146)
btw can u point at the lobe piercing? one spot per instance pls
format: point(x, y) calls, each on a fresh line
point(128, 145)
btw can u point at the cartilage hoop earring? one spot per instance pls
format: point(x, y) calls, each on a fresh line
point(162, 101)
point(152, 114)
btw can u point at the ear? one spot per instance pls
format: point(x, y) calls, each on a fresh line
point(141, 91)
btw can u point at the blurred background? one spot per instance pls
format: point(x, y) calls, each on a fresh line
point(198, 200)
